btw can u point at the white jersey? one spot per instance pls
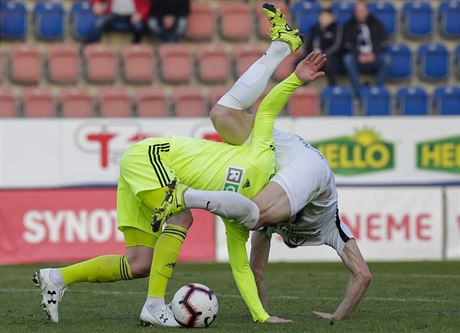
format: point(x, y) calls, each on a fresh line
point(303, 173)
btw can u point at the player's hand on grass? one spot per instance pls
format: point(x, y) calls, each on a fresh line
point(277, 320)
point(323, 315)
point(309, 68)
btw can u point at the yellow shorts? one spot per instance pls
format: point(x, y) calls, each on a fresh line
point(136, 237)
point(142, 168)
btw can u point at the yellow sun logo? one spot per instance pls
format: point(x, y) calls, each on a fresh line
point(366, 136)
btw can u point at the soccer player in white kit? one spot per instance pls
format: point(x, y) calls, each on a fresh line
point(302, 192)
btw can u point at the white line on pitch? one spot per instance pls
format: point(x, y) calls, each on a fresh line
point(369, 298)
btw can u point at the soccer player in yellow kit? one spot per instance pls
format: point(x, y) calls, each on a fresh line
point(147, 171)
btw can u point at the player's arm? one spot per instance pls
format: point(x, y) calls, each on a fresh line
point(260, 249)
point(357, 286)
point(237, 237)
point(307, 70)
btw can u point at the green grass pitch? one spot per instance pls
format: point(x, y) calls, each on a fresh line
point(403, 297)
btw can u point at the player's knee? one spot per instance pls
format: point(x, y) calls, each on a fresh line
point(219, 114)
point(184, 219)
point(140, 268)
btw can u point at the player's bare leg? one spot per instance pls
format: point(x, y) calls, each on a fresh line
point(234, 124)
point(357, 286)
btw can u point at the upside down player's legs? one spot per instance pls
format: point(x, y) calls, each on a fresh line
point(274, 205)
point(235, 127)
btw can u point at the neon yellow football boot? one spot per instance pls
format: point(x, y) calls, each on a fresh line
point(281, 31)
point(173, 204)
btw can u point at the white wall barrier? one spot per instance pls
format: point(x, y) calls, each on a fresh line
point(390, 223)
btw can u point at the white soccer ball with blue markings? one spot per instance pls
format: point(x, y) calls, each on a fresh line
point(195, 305)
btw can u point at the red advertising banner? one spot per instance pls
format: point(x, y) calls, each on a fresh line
point(61, 225)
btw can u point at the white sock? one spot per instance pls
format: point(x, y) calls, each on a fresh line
point(56, 278)
point(226, 204)
point(154, 302)
point(252, 83)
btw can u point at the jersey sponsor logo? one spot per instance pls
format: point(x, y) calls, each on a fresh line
point(233, 179)
point(439, 155)
point(364, 152)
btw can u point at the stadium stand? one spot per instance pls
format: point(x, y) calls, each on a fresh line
point(412, 101)
point(212, 63)
point(38, 103)
point(457, 62)
point(305, 15)
point(304, 102)
point(7, 103)
point(13, 20)
point(447, 100)
point(151, 102)
point(175, 63)
point(100, 63)
point(433, 62)
point(189, 102)
point(201, 24)
point(234, 20)
point(343, 11)
point(399, 62)
point(62, 64)
point(138, 64)
point(114, 102)
point(337, 101)
point(49, 21)
point(375, 101)
point(76, 103)
point(449, 18)
point(417, 19)
point(215, 93)
point(25, 64)
point(82, 20)
point(386, 13)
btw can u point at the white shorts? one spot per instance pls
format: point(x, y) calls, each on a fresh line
point(328, 231)
point(302, 172)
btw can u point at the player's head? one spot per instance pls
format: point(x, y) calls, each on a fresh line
point(326, 17)
point(361, 11)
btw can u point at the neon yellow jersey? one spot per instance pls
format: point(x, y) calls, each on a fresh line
point(214, 166)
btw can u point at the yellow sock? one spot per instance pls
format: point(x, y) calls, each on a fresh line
point(164, 259)
point(100, 269)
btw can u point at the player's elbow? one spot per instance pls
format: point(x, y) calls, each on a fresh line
point(365, 278)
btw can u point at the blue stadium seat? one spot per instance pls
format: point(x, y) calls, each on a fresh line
point(305, 14)
point(337, 101)
point(457, 61)
point(417, 19)
point(400, 62)
point(82, 20)
point(433, 61)
point(375, 101)
point(447, 100)
point(13, 20)
point(412, 101)
point(343, 11)
point(49, 21)
point(449, 18)
point(386, 13)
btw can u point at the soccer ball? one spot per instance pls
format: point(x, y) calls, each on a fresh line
point(195, 305)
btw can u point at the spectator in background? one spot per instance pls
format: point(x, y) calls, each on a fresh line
point(364, 40)
point(326, 37)
point(131, 12)
point(168, 19)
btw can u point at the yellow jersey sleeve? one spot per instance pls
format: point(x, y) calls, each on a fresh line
point(237, 236)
